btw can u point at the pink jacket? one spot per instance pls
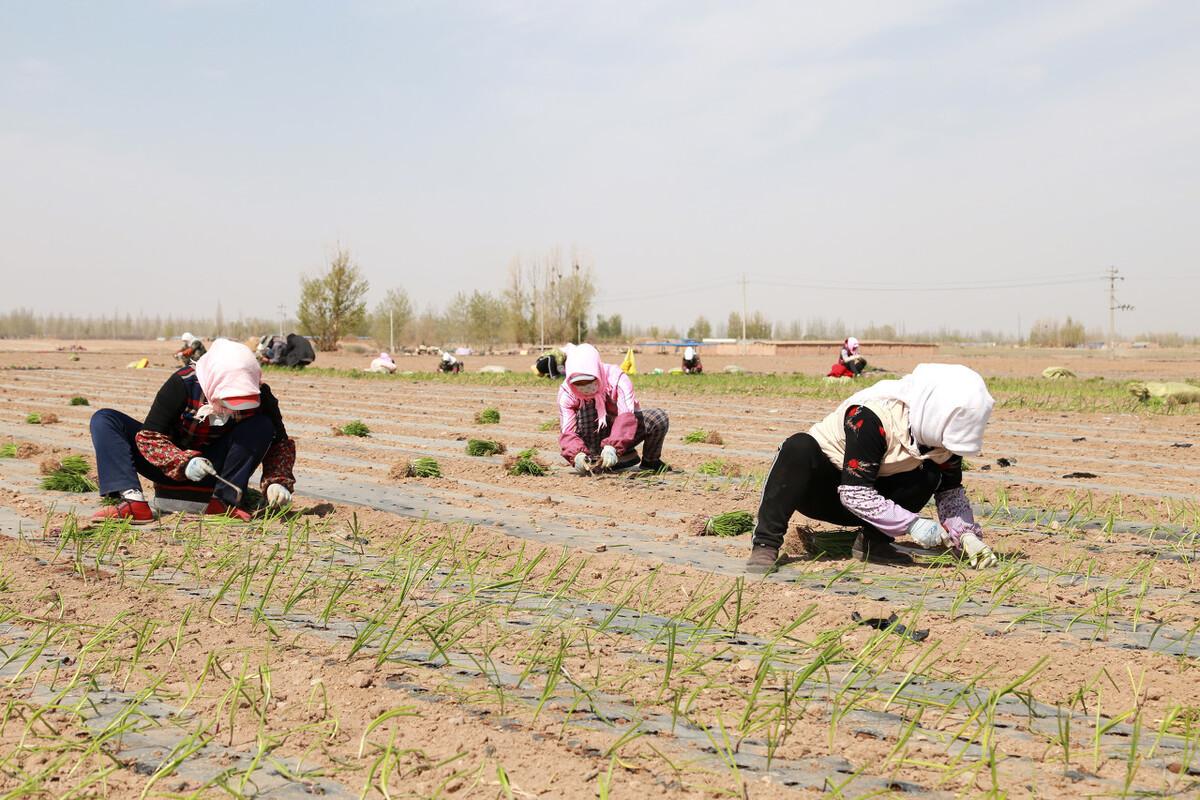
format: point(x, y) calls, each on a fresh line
point(619, 403)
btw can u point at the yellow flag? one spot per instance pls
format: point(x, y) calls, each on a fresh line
point(629, 366)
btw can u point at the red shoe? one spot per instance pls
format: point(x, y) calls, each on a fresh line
point(136, 512)
point(217, 507)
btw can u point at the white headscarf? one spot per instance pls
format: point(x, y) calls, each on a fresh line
point(689, 353)
point(948, 405)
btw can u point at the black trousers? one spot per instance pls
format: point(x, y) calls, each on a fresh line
point(803, 479)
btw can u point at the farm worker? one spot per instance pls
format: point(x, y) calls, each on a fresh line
point(691, 362)
point(383, 363)
point(850, 363)
point(600, 419)
point(449, 363)
point(876, 461)
point(217, 416)
point(192, 349)
point(550, 365)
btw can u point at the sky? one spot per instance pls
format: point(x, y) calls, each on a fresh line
point(924, 164)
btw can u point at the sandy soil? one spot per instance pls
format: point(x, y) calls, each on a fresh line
point(560, 635)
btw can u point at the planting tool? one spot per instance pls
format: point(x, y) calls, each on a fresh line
point(211, 470)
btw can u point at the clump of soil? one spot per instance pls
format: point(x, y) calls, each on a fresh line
point(27, 450)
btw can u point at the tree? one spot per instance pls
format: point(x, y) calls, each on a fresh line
point(331, 305)
point(701, 329)
point(608, 328)
point(485, 318)
point(757, 326)
point(393, 314)
point(518, 304)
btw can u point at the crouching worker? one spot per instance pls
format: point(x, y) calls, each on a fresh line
point(214, 419)
point(449, 363)
point(550, 365)
point(876, 461)
point(384, 363)
point(850, 363)
point(600, 419)
point(691, 362)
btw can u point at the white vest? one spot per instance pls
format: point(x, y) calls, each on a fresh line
point(902, 454)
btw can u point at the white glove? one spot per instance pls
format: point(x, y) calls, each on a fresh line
point(926, 532)
point(979, 555)
point(278, 495)
point(608, 456)
point(198, 468)
point(581, 463)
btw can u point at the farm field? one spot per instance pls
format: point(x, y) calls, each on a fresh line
point(482, 634)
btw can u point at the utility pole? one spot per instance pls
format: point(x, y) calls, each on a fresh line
point(392, 331)
point(744, 345)
point(1113, 276)
point(281, 308)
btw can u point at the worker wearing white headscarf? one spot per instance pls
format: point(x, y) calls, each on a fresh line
point(691, 362)
point(876, 461)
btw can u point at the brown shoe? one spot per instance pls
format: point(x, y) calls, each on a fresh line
point(876, 547)
point(762, 559)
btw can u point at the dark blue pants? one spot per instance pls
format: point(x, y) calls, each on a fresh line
point(236, 454)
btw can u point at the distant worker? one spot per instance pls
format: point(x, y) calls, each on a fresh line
point(876, 461)
point(383, 363)
point(600, 420)
point(192, 349)
point(294, 351)
point(850, 363)
point(208, 430)
point(550, 365)
point(691, 362)
point(449, 363)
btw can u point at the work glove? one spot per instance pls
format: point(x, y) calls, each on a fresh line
point(582, 465)
point(278, 495)
point(979, 555)
point(199, 468)
point(608, 456)
point(926, 532)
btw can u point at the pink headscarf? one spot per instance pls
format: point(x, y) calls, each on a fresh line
point(229, 372)
point(851, 345)
point(584, 359)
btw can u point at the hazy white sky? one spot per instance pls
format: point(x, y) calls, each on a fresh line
point(848, 157)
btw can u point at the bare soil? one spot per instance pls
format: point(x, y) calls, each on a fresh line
point(488, 635)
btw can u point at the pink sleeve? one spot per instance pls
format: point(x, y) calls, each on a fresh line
point(569, 442)
point(623, 429)
point(873, 508)
point(954, 510)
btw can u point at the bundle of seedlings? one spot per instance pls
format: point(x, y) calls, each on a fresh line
point(354, 428)
point(422, 467)
point(19, 450)
point(68, 475)
point(719, 468)
point(704, 437)
point(731, 523)
point(832, 544)
point(525, 463)
point(484, 447)
point(548, 425)
point(41, 419)
point(78, 401)
point(489, 416)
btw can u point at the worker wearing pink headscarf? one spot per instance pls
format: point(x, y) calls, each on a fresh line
point(600, 420)
point(214, 419)
point(850, 363)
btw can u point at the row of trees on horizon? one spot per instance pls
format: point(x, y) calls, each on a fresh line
point(548, 299)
